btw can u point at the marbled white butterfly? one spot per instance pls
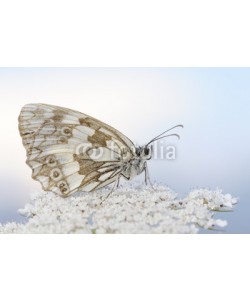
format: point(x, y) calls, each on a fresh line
point(69, 151)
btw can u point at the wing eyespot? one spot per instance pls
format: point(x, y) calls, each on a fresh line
point(66, 131)
point(62, 140)
point(51, 161)
point(63, 187)
point(56, 174)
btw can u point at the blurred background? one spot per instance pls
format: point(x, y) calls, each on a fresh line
point(213, 104)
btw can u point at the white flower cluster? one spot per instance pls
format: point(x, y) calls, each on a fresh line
point(130, 209)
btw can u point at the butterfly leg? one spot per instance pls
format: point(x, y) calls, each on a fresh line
point(147, 178)
point(118, 182)
point(115, 186)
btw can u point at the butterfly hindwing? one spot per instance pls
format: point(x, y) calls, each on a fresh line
point(62, 148)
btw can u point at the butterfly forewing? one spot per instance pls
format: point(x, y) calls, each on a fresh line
point(69, 151)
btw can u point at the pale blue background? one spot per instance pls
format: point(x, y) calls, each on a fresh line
point(212, 103)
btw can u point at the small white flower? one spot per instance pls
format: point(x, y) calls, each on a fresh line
point(130, 209)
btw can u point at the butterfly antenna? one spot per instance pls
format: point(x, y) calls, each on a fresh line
point(158, 137)
point(162, 137)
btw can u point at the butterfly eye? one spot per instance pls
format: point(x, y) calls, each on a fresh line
point(146, 151)
point(137, 151)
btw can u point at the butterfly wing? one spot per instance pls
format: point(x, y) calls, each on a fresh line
point(69, 151)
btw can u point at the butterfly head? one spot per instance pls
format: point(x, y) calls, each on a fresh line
point(144, 152)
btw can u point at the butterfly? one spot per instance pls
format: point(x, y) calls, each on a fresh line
point(69, 151)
